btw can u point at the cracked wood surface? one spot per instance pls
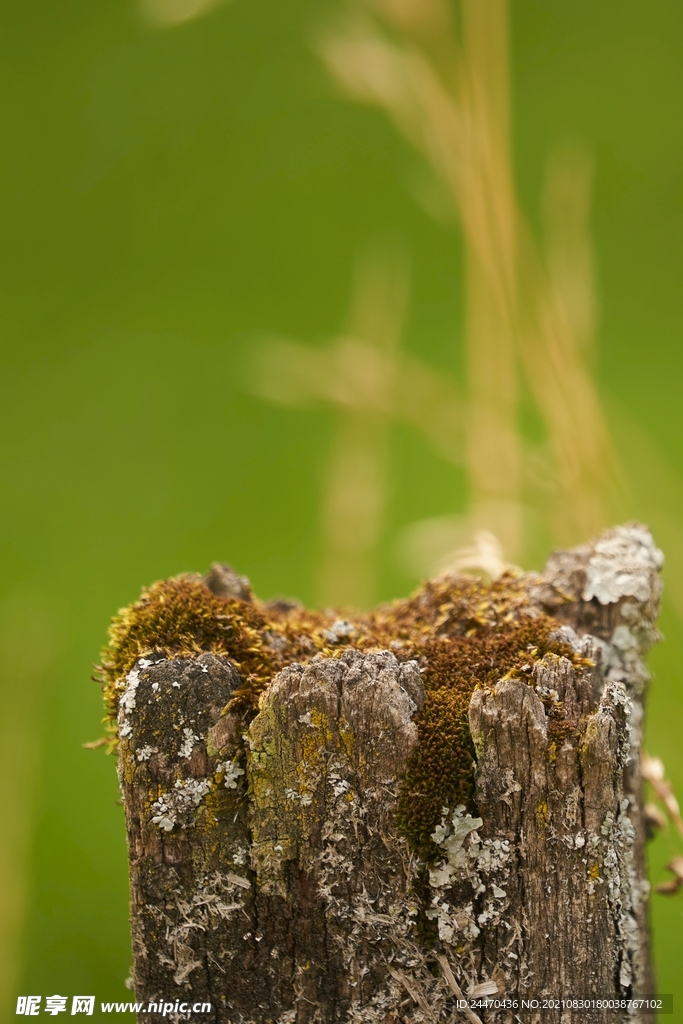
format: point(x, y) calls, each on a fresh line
point(269, 876)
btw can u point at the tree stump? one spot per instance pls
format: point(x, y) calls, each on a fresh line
point(426, 813)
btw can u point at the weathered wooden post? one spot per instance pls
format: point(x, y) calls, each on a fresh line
point(379, 818)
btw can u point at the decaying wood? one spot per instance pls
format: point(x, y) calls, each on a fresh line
point(269, 876)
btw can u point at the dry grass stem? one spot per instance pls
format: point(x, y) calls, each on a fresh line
point(448, 95)
point(653, 772)
point(469, 1014)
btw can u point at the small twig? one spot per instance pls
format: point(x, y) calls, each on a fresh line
point(653, 772)
point(417, 997)
point(456, 990)
point(671, 887)
point(96, 744)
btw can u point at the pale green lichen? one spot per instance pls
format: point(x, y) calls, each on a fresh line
point(483, 864)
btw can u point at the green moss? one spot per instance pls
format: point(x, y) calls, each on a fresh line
point(440, 773)
point(426, 928)
point(181, 618)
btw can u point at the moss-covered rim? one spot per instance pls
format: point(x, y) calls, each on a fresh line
point(462, 632)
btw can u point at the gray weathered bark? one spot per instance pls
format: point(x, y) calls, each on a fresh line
point(269, 876)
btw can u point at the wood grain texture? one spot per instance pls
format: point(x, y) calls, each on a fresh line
point(269, 875)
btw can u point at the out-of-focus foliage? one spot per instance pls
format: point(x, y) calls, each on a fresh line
point(186, 183)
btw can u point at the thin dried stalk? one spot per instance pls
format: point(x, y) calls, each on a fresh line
point(363, 375)
point(169, 13)
point(653, 772)
point(351, 374)
point(355, 492)
point(449, 99)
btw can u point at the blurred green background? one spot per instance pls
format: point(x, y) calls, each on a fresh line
point(170, 196)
